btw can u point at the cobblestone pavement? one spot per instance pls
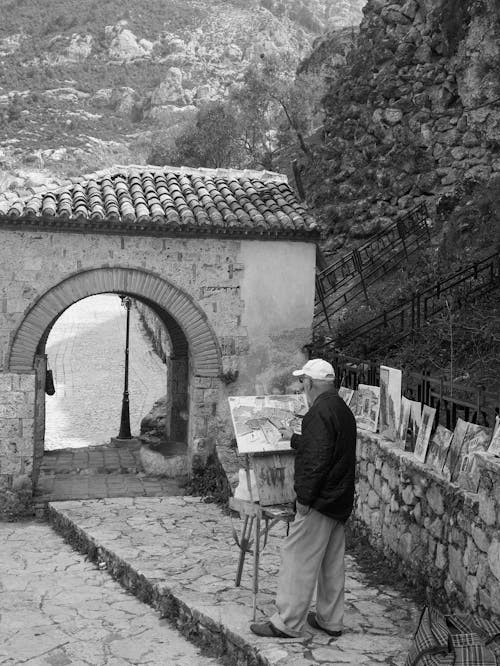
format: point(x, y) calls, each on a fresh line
point(181, 550)
point(57, 609)
point(86, 351)
point(95, 472)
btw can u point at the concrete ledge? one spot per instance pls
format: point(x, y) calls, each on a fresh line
point(178, 554)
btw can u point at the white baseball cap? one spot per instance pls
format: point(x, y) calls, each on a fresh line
point(316, 368)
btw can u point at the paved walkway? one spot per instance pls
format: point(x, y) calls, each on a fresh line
point(86, 351)
point(95, 472)
point(179, 553)
point(57, 609)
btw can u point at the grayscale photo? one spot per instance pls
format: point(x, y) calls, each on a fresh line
point(249, 332)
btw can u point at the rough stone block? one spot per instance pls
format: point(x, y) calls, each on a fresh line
point(435, 499)
point(487, 509)
point(373, 500)
point(456, 568)
point(494, 558)
point(5, 382)
point(480, 538)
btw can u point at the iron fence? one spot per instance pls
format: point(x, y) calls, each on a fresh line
point(451, 400)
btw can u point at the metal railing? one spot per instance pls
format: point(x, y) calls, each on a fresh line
point(350, 276)
point(450, 399)
point(401, 320)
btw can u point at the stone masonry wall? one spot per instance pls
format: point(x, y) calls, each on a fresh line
point(17, 417)
point(429, 528)
point(411, 112)
point(246, 298)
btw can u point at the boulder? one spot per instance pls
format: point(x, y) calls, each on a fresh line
point(169, 460)
point(80, 47)
point(123, 44)
point(170, 91)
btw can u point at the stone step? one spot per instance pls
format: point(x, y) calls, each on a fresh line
point(178, 554)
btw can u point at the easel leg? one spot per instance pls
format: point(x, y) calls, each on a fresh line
point(256, 567)
point(243, 544)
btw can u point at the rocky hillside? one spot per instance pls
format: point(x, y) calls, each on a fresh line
point(86, 84)
point(412, 113)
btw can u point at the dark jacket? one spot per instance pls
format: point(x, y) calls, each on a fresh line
point(326, 457)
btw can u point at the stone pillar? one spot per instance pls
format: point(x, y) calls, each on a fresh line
point(17, 418)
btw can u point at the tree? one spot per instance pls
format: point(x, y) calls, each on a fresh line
point(211, 142)
point(274, 106)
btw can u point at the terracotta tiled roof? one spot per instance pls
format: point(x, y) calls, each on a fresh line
point(165, 201)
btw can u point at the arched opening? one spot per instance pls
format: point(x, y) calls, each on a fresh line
point(194, 347)
point(85, 352)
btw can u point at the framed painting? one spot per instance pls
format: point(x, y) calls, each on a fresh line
point(438, 448)
point(494, 446)
point(346, 394)
point(454, 451)
point(366, 407)
point(424, 433)
point(477, 438)
point(414, 421)
point(390, 402)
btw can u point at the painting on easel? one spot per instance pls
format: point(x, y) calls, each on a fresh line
point(257, 421)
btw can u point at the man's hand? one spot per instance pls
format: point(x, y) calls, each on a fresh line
point(286, 433)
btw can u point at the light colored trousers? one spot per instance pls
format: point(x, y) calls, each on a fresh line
point(312, 556)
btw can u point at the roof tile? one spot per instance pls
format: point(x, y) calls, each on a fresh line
point(178, 199)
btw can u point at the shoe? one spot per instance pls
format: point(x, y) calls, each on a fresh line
point(313, 622)
point(268, 630)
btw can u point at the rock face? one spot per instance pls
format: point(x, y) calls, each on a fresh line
point(412, 111)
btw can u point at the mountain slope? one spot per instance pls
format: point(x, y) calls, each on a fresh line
point(85, 83)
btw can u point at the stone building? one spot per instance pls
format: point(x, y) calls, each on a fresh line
point(225, 259)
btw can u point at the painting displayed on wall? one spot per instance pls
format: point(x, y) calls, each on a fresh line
point(438, 448)
point(366, 407)
point(346, 394)
point(476, 439)
point(414, 421)
point(494, 446)
point(257, 421)
point(454, 450)
point(469, 473)
point(404, 420)
point(424, 433)
point(390, 402)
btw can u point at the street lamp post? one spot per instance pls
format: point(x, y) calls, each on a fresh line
point(125, 418)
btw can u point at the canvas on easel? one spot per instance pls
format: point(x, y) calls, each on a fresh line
point(257, 421)
point(274, 476)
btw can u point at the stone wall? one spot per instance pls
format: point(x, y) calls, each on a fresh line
point(17, 418)
point(412, 111)
point(431, 529)
point(237, 314)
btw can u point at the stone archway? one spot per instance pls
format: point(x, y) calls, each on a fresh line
point(179, 308)
point(195, 348)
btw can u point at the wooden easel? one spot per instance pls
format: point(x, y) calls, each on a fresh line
point(253, 513)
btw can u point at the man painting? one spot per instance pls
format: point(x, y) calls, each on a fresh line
point(313, 553)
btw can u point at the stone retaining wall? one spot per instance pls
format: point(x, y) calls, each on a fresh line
point(434, 531)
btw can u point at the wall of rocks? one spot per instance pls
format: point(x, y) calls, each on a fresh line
point(413, 109)
point(432, 530)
